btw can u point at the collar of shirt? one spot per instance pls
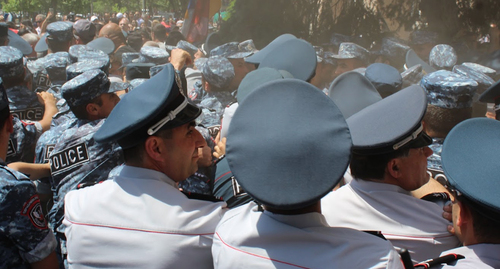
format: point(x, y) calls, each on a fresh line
point(368, 186)
point(142, 173)
point(300, 221)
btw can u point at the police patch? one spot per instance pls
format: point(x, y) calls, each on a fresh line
point(33, 209)
point(214, 130)
point(68, 158)
point(33, 114)
point(48, 150)
point(11, 150)
point(42, 80)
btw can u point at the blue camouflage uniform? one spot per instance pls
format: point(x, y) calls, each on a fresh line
point(22, 141)
point(23, 105)
point(218, 72)
point(153, 55)
point(77, 159)
point(24, 236)
point(446, 90)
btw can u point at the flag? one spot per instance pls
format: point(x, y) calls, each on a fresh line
point(195, 26)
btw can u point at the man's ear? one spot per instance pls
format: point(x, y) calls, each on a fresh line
point(206, 86)
point(92, 109)
point(393, 168)
point(152, 147)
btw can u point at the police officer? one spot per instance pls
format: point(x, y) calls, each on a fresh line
point(142, 206)
point(449, 98)
point(389, 159)
point(59, 36)
point(63, 120)
point(217, 75)
point(289, 182)
point(30, 118)
point(351, 56)
point(77, 159)
point(469, 153)
point(386, 79)
point(25, 237)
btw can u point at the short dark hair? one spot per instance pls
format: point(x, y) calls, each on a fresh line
point(135, 154)
point(440, 120)
point(174, 37)
point(57, 46)
point(80, 111)
point(160, 32)
point(373, 166)
point(134, 39)
point(485, 228)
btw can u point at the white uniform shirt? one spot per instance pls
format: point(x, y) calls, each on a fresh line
point(226, 119)
point(247, 238)
point(406, 221)
point(479, 256)
point(139, 219)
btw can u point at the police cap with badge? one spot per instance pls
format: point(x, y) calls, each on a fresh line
point(390, 124)
point(155, 105)
point(58, 31)
point(55, 65)
point(449, 90)
point(11, 62)
point(288, 177)
point(85, 87)
point(154, 55)
point(81, 52)
point(470, 164)
point(218, 71)
point(78, 68)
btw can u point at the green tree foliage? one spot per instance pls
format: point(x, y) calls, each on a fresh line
point(99, 6)
point(316, 20)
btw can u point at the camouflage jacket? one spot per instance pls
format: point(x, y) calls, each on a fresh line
point(213, 105)
point(22, 141)
point(24, 234)
point(23, 104)
point(77, 158)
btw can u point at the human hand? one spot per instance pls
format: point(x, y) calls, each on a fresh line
point(47, 99)
point(220, 148)
point(179, 58)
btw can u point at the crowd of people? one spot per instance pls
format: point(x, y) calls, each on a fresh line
point(122, 145)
